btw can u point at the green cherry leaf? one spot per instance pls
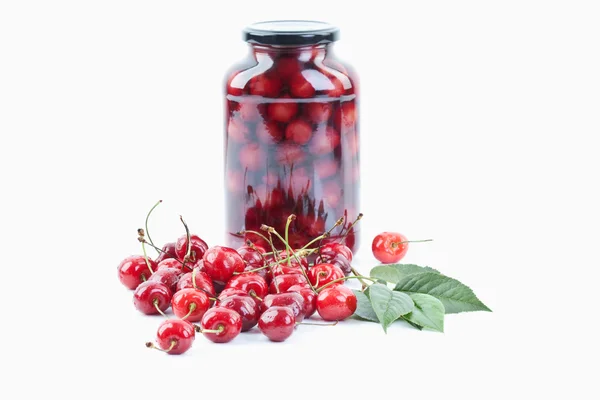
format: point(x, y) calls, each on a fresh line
point(455, 296)
point(393, 273)
point(388, 304)
point(428, 312)
point(364, 310)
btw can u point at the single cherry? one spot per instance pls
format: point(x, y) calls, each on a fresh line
point(174, 336)
point(337, 259)
point(310, 299)
point(334, 248)
point(389, 247)
point(190, 304)
point(203, 282)
point(301, 87)
point(284, 282)
point(221, 325)
point(133, 270)
point(336, 303)
point(293, 300)
point(170, 263)
point(252, 284)
point(245, 306)
point(298, 131)
point(168, 276)
point(167, 251)
point(282, 111)
point(221, 262)
point(198, 248)
point(321, 274)
point(152, 297)
point(277, 323)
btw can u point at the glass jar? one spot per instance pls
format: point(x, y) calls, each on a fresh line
point(291, 136)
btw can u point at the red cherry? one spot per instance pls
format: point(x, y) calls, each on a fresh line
point(269, 132)
point(336, 303)
point(322, 274)
point(250, 283)
point(203, 282)
point(309, 296)
point(198, 248)
point(277, 323)
point(221, 325)
point(174, 336)
point(325, 167)
point(284, 269)
point(245, 306)
point(221, 262)
point(252, 157)
point(167, 251)
point(265, 86)
point(252, 256)
point(282, 111)
point(301, 87)
point(287, 67)
point(237, 130)
point(133, 271)
point(298, 131)
point(319, 112)
point(289, 154)
point(151, 296)
point(293, 300)
point(324, 141)
point(169, 263)
point(168, 276)
point(227, 292)
point(334, 248)
point(191, 304)
point(284, 282)
point(389, 247)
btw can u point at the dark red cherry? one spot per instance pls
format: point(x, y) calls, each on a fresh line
point(198, 248)
point(287, 67)
point(250, 283)
point(151, 296)
point(221, 325)
point(221, 262)
point(277, 323)
point(245, 306)
point(321, 274)
point(310, 299)
point(168, 276)
point(203, 282)
point(293, 300)
point(336, 303)
point(133, 270)
point(284, 282)
point(168, 251)
point(191, 304)
point(174, 336)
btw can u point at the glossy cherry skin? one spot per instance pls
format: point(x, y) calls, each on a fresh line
point(170, 263)
point(245, 306)
point(182, 301)
point(150, 293)
point(252, 256)
point(283, 269)
point(294, 260)
point(284, 282)
point(217, 317)
point(133, 270)
point(168, 251)
point(310, 299)
point(389, 247)
point(249, 283)
point(336, 303)
point(198, 248)
point(293, 300)
point(321, 274)
point(168, 276)
point(338, 260)
point(203, 282)
point(277, 323)
point(333, 248)
point(221, 262)
point(176, 331)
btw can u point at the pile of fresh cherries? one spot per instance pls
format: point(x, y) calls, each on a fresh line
point(229, 291)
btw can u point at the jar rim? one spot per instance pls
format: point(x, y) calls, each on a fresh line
point(291, 33)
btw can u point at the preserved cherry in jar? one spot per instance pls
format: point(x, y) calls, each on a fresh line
point(291, 136)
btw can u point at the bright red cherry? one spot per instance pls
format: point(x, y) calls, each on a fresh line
point(284, 282)
point(170, 263)
point(324, 141)
point(221, 325)
point(389, 247)
point(310, 299)
point(282, 111)
point(191, 304)
point(254, 259)
point(221, 262)
point(167, 251)
point(245, 306)
point(266, 86)
point(322, 274)
point(133, 270)
point(149, 297)
point(168, 276)
point(298, 131)
point(277, 323)
point(336, 303)
point(250, 283)
point(198, 248)
point(293, 300)
point(203, 283)
point(319, 112)
point(231, 292)
point(301, 87)
point(174, 336)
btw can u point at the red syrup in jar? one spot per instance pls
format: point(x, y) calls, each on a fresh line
point(291, 136)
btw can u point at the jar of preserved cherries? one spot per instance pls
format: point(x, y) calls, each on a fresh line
point(291, 136)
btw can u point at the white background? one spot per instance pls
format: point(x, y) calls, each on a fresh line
point(479, 123)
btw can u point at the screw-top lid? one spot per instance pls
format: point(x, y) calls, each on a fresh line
point(291, 33)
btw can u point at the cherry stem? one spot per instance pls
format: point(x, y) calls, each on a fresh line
point(155, 303)
point(355, 272)
point(287, 230)
point(254, 233)
point(339, 222)
point(253, 247)
point(315, 324)
point(252, 293)
point(220, 329)
point(344, 279)
point(414, 241)
point(189, 241)
point(192, 309)
point(358, 218)
point(146, 224)
point(143, 241)
point(151, 345)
